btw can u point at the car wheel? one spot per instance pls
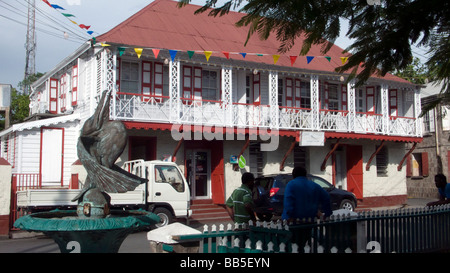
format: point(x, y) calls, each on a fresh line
point(347, 204)
point(264, 217)
point(165, 215)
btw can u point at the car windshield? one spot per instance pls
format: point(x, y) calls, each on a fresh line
point(321, 182)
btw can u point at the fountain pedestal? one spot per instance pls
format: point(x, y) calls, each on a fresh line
point(87, 235)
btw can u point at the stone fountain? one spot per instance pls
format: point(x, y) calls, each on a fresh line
point(93, 227)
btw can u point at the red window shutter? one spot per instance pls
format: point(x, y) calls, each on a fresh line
point(158, 80)
point(53, 96)
point(187, 83)
point(146, 80)
point(74, 85)
point(297, 93)
point(197, 83)
point(289, 92)
point(409, 166)
point(425, 171)
point(257, 89)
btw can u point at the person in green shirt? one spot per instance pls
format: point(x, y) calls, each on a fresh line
point(240, 204)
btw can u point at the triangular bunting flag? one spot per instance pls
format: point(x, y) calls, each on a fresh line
point(344, 60)
point(275, 58)
point(138, 52)
point(328, 58)
point(173, 53)
point(207, 55)
point(293, 58)
point(155, 52)
point(259, 54)
point(243, 54)
point(90, 32)
point(103, 44)
point(121, 50)
point(56, 7)
point(84, 26)
point(227, 54)
point(73, 22)
point(190, 53)
point(68, 15)
point(46, 2)
point(309, 59)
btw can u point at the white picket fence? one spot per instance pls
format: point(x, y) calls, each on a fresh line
point(401, 231)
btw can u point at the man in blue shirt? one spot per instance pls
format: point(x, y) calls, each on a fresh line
point(304, 199)
point(444, 190)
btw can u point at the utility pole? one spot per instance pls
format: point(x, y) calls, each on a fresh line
point(30, 46)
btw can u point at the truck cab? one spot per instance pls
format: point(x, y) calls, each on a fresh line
point(167, 192)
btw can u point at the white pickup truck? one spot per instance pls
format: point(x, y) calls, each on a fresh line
point(166, 194)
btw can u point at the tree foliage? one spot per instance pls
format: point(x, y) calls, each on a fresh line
point(383, 34)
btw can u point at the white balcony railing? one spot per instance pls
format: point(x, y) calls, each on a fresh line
point(214, 113)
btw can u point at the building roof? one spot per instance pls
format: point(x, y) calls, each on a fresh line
point(163, 25)
point(40, 123)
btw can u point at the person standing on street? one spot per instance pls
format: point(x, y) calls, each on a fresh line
point(240, 204)
point(440, 181)
point(304, 199)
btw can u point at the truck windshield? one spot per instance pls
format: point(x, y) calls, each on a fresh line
point(170, 175)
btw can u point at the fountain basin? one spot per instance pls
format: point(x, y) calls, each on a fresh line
point(87, 235)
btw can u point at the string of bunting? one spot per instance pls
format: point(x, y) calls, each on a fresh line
point(69, 16)
point(173, 54)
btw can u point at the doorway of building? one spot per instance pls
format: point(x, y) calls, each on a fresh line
point(198, 170)
point(355, 170)
point(51, 156)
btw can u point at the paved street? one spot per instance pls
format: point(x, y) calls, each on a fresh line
point(134, 243)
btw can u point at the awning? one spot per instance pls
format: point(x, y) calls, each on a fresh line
point(210, 129)
point(373, 137)
point(40, 123)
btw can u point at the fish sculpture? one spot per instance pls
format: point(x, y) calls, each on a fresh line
point(100, 144)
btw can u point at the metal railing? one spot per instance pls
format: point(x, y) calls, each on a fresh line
point(400, 231)
point(129, 106)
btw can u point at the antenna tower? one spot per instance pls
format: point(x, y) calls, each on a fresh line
point(30, 46)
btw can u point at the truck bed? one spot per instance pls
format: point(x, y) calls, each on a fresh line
point(63, 197)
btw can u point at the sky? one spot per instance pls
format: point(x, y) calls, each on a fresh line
point(52, 46)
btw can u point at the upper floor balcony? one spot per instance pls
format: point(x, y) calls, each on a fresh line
point(226, 96)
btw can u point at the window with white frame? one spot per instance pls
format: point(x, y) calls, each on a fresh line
point(333, 97)
point(209, 85)
point(129, 77)
point(428, 122)
point(305, 94)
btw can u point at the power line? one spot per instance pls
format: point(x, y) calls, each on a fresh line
point(57, 35)
point(37, 21)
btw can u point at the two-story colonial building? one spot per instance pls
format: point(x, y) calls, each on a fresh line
point(188, 90)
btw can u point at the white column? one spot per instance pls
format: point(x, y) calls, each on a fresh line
point(174, 91)
point(351, 105)
point(315, 102)
point(418, 111)
point(227, 95)
point(273, 99)
point(385, 108)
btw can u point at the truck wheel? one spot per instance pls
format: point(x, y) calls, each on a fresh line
point(165, 215)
